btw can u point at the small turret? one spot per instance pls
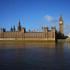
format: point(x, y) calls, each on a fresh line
point(14, 29)
point(11, 29)
point(45, 29)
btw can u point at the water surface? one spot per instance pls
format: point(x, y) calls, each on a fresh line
point(41, 56)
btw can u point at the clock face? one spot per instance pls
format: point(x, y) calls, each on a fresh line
point(61, 22)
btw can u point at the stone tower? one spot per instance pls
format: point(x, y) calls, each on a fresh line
point(61, 25)
point(19, 26)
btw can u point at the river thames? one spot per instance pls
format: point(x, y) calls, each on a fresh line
point(40, 56)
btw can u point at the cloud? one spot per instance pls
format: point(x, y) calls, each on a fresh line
point(48, 18)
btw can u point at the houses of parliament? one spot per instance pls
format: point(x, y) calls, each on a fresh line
point(22, 34)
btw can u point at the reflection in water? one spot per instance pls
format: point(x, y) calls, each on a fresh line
point(42, 56)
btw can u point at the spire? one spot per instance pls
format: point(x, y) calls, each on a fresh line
point(11, 29)
point(4, 30)
point(19, 23)
point(19, 26)
point(14, 29)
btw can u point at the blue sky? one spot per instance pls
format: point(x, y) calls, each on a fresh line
point(34, 13)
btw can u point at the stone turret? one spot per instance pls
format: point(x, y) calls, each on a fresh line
point(45, 32)
point(53, 29)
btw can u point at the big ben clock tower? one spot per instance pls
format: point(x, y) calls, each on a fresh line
point(61, 25)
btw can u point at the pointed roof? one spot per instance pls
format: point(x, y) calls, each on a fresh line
point(19, 26)
point(60, 19)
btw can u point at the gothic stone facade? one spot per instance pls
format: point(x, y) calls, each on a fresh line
point(23, 35)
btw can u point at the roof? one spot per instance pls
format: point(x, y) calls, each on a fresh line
point(60, 19)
